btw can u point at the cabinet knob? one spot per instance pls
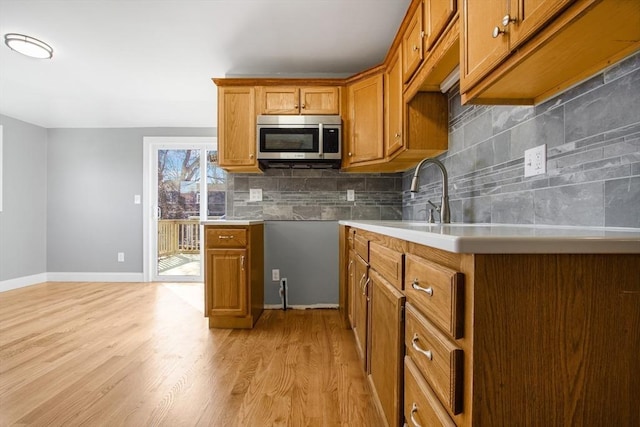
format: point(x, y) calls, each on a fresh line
point(415, 48)
point(349, 154)
point(397, 135)
point(508, 19)
point(251, 156)
point(295, 106)
point(497, 31)
point(302, 106)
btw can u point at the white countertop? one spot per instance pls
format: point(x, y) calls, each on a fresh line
point(232, 221)
point(507, 238)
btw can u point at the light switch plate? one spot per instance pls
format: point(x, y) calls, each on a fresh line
point(351, 195)
point(535, 161)
point(255, 194)
point(136, 199)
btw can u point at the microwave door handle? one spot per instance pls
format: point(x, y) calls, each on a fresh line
point(321, 140)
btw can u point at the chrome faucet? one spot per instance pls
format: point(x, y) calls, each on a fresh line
point(444, 209)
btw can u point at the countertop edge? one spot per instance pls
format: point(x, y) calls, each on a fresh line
point(232, 222)
point(557, 244)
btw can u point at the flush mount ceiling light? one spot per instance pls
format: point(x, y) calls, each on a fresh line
point(28, 46)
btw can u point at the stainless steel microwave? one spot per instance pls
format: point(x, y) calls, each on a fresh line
point(296, 141)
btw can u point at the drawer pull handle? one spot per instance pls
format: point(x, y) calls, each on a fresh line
point(364, 287)
point(226, 237)
point(414, 409)
point(428, 291)
point(418, 349)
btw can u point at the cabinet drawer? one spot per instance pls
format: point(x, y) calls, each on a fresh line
point(361, 246)
point(421, 405)
point(439, 360)
point(437, 291)
point(226, 237)
point(387, 262)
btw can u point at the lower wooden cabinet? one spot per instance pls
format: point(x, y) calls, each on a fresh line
point(360, 297)
point(234, 271)
point(386, 334)
point(498, 339)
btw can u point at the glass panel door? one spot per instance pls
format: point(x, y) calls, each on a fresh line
point(178, 214)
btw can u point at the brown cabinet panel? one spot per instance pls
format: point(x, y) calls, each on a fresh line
point(319, 100)
point(438, 291)
point(437, 14)
point(227, 269)
point(367, 118)
point(361, 246)
point(361, 309)
point(279, 100)
point(387, 338)
point(388, 263)
point(237, 129)
point(412, 49)
point(421, 405)
point(393, 107)
point(529, 16)
point(439, 360)
point(226, 237)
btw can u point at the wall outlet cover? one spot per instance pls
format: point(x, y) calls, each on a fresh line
point(255, 194)
point(275, 275)
point(535, 161)
point(120, 256)
point(351, 195)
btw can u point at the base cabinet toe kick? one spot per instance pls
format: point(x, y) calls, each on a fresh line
point(493, 339)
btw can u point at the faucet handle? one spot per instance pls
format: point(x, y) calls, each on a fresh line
point(436, 207)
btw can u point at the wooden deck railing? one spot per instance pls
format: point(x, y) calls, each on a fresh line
point(178, 236)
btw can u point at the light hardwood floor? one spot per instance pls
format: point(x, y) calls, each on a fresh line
point(138, 354)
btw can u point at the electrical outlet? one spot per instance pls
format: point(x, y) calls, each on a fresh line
point(351, 195)
point(255, 194)
point(120, 256)
point(275, 274)
point(136, 199)
point(535, 161)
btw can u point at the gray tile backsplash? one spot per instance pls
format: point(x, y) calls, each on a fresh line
point(592, 133)
point(298, 194)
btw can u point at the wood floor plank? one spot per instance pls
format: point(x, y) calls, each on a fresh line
point(138, 354)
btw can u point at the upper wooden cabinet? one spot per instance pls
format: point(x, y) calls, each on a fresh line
point(412, 47)
point(393, 107)
point(437, 14)
point(365, 139)
point(298, 100)
point(517, 51)
point(237, 129)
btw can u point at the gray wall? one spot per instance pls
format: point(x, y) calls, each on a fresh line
point(23, 249)
point(306, 253)
point(93, 175)
point(592, 134)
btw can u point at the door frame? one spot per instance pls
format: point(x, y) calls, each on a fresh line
point(150, 144)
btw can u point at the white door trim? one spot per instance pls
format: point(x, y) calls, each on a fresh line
point(149, 144)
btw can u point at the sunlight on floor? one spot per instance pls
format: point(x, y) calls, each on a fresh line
point(191, 293)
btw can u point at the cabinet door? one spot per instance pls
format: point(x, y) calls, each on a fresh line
point(279, 100)
point(367, 139)
point(437, 14)
point(480, 51)
point(226, 282)
point(352, 280)
point(319, 100)
point(412, 52)
point(394, 107)
point(529, 16)
point(361, 308)
point(236, 127)
point(387, 340)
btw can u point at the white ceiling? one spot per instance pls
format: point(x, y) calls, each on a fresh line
point(139, 63)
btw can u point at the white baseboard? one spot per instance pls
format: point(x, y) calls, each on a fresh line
point(95, 277)
point(300, 307)
point(21, 282)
